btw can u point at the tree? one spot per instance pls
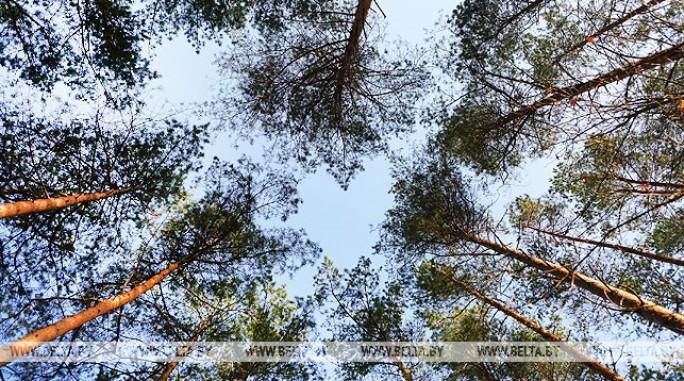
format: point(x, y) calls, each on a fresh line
point(432, 274)
point(218, 230)
point(45, 41)
point(321, 90)
point(246, 307)
point(268, 316)
point(436, 215)
point(19, 208)
point(31, 341)
point(553, 77)
point(51, 159)
point(43, 159)
point(364, 310)
point(97, 47)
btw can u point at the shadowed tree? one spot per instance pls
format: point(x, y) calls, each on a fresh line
point(322, 90)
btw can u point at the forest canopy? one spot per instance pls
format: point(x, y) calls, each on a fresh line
point(122, 220)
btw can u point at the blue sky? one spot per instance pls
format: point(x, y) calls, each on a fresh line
point(340, 221)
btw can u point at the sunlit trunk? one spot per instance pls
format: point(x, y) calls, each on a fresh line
point(626, 300)
point(18, 208)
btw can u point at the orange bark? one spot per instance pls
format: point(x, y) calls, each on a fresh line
point(658, 59)
point(405, 372)
point(627, 300)
point(624, 249)
point(19, 208)
point(33, 340)
point(637, 11)
point(204, 324)
point(596, 366)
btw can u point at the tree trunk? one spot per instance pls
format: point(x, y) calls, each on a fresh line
point(34, 339)
point(596, 366)
point(19, 208)
point(360, 17)
point(650, 183)
point(624, 249)
point(660, 58)
point(405, 372)
point(173, 364)
point(629, 301)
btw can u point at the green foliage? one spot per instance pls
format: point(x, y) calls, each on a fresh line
point(97, 46)
point(322, 96)
point(319, 96)
point(668, 235)
point(228, 264)
point(434, 205)
point(364, 308)
point(471, 134)
point(451, 315)
point(77, 43)
point(40, 158)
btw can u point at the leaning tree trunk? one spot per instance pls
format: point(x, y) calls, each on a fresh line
point(655, 60)
point(33, 340)
point(591, 363)
point(204, 324)
point(405, 372)
point(18, 208)
point(613, 246)
point(619, 21)
point(628, 301)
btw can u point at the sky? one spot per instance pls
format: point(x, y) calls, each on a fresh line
point(340, 221)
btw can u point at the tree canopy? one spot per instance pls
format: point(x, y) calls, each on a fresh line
point(114, 227)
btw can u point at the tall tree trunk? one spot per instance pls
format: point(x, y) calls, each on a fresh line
point(627, 300)
point(183, 351)
point(624, 249)
point(621, 20)
point(646, 192)
point(658, 59)
point(405, 372)
point(650, 183)
point(360, 17)
point(596, 366)
point(19, 208)
point(34, 339)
